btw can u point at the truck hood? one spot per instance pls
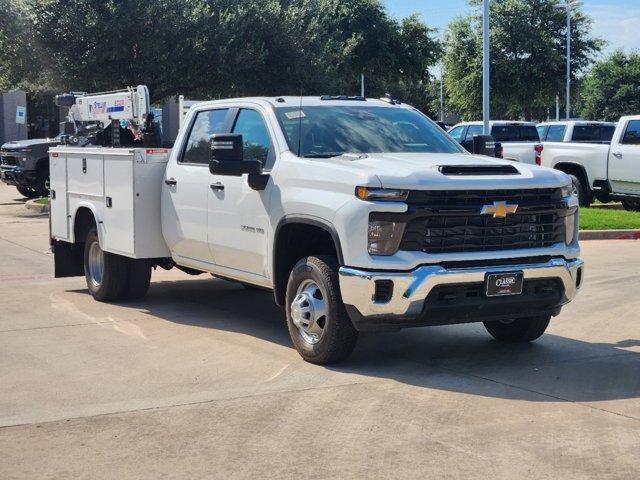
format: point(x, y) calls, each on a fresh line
point(34, 142)
point(421, 170)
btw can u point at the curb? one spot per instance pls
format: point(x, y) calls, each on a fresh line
point(36, 207)
point(609, 235)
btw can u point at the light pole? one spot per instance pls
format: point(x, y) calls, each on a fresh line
point(442, 92)
point(485, 68)
point(569, 5)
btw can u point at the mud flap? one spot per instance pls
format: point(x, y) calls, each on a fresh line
point(68, 259)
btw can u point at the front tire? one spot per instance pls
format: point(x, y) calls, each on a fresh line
point(318, 323)
point(631, 205)
point(521, 330)
point(106, 273)
point(27, 192)
point(585, 196)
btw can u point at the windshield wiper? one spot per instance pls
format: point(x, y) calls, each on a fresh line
point(323, 155)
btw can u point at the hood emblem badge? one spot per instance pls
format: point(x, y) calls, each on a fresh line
point(499, 209)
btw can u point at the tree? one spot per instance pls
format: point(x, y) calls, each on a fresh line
point(222, 48)
point(528, 55)
point(611, 88)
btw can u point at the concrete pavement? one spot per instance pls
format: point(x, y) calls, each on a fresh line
point(199, 380)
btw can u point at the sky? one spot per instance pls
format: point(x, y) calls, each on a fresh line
point(616, 21)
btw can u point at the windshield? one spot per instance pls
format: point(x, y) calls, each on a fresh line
point(333, 130)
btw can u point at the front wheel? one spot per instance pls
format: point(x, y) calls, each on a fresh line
point(28, 192)
point(106, 273)
point(521, 330)
point(318, 323)
point(631, 205)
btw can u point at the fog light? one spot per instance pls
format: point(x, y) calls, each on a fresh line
point(384, 237)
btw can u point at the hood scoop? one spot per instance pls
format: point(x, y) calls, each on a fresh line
point(460, 170)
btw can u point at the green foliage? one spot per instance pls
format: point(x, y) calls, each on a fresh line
point(608, 219)
point(611, 88)
point(528, 55)
point(222, 48)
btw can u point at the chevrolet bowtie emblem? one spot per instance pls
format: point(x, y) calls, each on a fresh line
point(498, 209)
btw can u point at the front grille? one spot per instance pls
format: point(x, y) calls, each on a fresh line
point(8, 161)
point(450, 221)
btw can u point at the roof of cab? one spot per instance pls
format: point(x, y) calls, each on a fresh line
point(308, 101)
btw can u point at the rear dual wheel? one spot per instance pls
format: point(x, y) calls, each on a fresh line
point(113, 277)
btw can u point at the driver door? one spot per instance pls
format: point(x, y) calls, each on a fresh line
point(238, 215)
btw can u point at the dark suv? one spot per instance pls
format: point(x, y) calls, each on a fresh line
point(25, 164)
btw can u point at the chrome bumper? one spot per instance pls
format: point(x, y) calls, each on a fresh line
point(410, 289)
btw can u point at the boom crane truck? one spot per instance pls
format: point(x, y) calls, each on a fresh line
point(359, 214)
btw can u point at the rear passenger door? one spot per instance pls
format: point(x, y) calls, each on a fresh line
point(624, 160)
point(186, 189)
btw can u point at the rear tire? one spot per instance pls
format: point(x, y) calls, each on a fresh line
point(318, 323)
point(585, 196)
point(42, 182)
point(106, 273)
point(631, 205)
point(138, 279)
point(27, 192)
point(521, 330)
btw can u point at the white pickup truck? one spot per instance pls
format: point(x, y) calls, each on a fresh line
point(359, 214)
point(520, 141)
point(602, 170)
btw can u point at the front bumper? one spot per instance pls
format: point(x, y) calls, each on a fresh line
point(435, 295)
point(18, 176)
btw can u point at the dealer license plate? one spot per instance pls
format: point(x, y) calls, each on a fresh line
point(499, 284)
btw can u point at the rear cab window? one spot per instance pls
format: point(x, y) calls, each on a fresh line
point(515, 133)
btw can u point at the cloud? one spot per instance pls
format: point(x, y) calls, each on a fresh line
point(618, 24)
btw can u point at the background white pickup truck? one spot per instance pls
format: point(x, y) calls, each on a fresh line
point(602, 170)
point(520, 140)
point(359, 214)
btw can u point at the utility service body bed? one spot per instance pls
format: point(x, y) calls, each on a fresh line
point(120, 186)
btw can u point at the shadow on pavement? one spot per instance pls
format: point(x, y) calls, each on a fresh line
point(460, 358)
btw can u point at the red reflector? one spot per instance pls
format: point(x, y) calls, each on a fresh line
point(54, 155)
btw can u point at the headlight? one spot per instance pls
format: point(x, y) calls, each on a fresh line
point(570, 226)
point(384, 237)
point(26, 150)
point(385, 194)
point(568, 190)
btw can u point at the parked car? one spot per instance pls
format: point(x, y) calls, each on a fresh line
point(25, 165)
point(359, 214)
point(520, 141)
point(579, 131)
point(602, 170)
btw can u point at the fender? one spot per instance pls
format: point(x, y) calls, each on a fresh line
point(578, 166)
point(279, 290)
point(96, 217)
point(314, 221)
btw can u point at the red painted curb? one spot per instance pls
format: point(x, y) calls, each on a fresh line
point(609, 235)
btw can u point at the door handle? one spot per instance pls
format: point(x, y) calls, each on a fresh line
point(216, 187)
point(617, 154)
point(171, 181)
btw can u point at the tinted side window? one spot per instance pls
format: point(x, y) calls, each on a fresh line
point(206, 124)
point(456, 133)
point(473, 130)
point(254, 135)
point(529, 133)
point(555, 133)
point(606, 132)
point(542, 132)
point(586, 133)
point(505, 133)
point(632, 134)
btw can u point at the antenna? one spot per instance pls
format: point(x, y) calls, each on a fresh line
point(300, 125)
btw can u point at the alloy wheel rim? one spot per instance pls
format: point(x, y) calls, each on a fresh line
point(309, 311)
point(96, 264)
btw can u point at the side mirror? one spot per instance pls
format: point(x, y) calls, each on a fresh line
point(226, 157)
point(484, 145)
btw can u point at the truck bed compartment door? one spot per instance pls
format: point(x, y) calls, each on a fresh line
point(624, 160)
point(59, 200)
